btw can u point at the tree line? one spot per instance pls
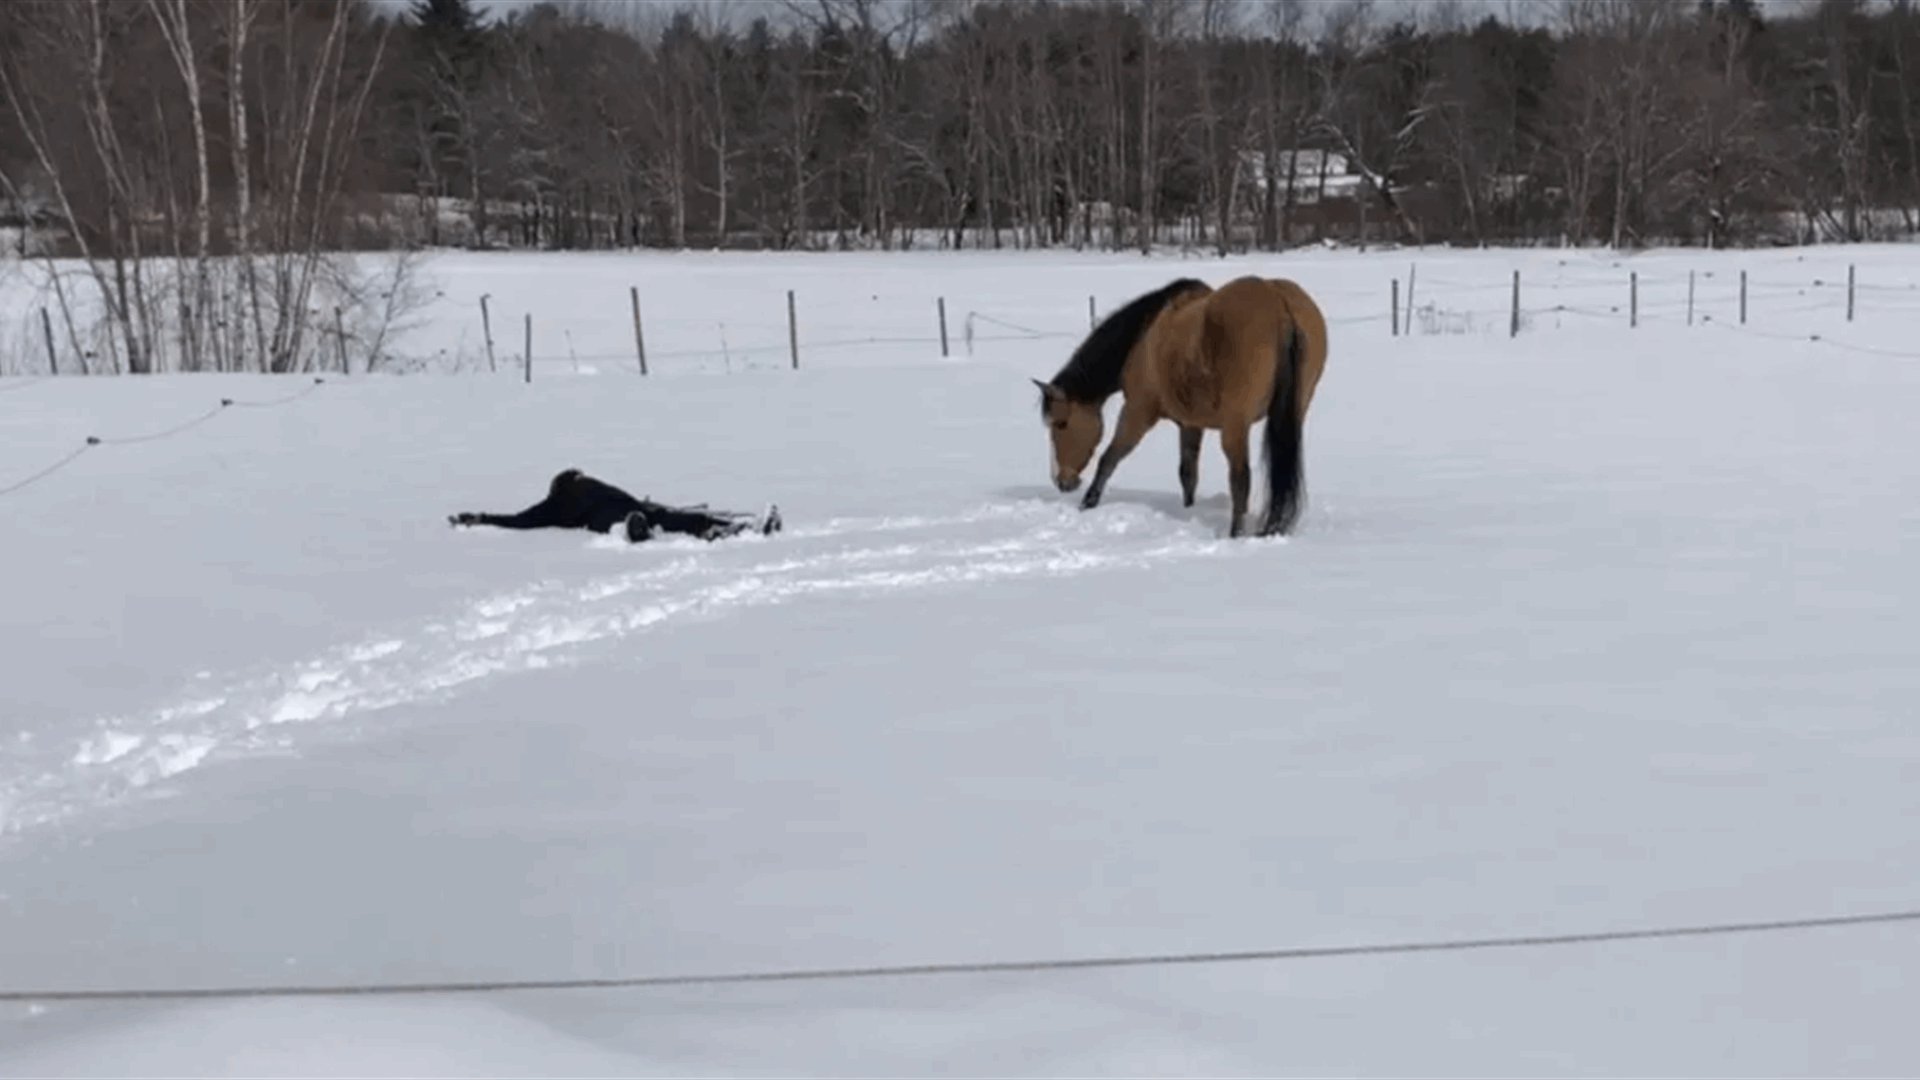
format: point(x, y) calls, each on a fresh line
point(227, 124)
point(278, 130)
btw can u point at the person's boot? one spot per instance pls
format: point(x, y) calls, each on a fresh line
point(639, 529)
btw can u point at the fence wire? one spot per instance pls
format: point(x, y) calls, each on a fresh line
point(982, 968)
point(1425, 316)
point(1444, 304)
point(21, 382)
point(92, 441)
point(1462, 307)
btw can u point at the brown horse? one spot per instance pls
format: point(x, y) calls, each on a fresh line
point(1205, 358)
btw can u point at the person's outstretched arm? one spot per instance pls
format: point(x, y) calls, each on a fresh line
point(538, 516)
point(559, 510)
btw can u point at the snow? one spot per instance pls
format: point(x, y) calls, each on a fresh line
point(1591, 628)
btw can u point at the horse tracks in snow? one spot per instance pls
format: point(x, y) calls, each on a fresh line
point(552, 624)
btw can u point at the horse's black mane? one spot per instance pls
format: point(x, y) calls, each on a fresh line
point(1092, 373)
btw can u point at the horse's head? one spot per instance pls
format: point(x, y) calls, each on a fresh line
point(1075, 428)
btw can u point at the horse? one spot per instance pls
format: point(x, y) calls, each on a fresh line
point(1206, 359)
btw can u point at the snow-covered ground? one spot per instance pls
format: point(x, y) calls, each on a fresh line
point(1591, 628)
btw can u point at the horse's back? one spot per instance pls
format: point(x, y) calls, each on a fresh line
point(1247, 320)
point(1209, 360)
point(1264, 310)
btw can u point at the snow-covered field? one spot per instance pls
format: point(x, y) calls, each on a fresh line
point(1592, 628)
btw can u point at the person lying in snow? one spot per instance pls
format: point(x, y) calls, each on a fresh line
point(578, 501)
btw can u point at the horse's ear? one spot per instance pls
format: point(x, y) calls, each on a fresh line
point(1046, 388)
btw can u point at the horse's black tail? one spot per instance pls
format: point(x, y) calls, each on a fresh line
point(1286, 472)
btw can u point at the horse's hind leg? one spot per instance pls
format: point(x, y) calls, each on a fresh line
point(1189, 462)
point(1235, 440)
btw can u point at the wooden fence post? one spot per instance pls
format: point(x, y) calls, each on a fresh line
point(1633, 298)
point(1849, 292)
point(1743, 298)
point(793, 331)
point(529, 346)
point(942, 303)
point(639, 339)
point(1395, 305)
point(53, 355)
point(1513, 322)
point(486, 325)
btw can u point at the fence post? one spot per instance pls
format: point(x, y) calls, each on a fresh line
point(1849, 292)
point(1633, 298)
point(1413, 271)
point(942, 303)
point(529, 346)
point(53, 355)
point(793, 331)
point(1689, 298)
point(340, 336)
point(486, 325)
point(1396, 307)
point(1743, 298)
point(639, 339)
point(1513, 324)
point(1091, 322)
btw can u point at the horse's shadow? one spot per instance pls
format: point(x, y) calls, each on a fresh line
point(1205, 508)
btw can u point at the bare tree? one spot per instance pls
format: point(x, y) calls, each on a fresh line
point(59, 70)
point(204, 154)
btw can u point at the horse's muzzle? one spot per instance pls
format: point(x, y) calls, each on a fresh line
point(1066, 484)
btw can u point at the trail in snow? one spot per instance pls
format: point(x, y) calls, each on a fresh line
point(556, 623)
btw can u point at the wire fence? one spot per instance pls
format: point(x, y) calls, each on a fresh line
point(1775, 307)
point(92, 441)
point(21, 382)
point(524, 349)
point(1788, 305)
point(1778, 298)
point(977, 328)
point(981, 968)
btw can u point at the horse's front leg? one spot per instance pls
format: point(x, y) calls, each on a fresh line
point(1135, 422)
point(1189, 462)
point(1234, 439)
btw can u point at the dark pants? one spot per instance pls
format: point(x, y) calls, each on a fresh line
point(652, 518)
point(577, 501)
